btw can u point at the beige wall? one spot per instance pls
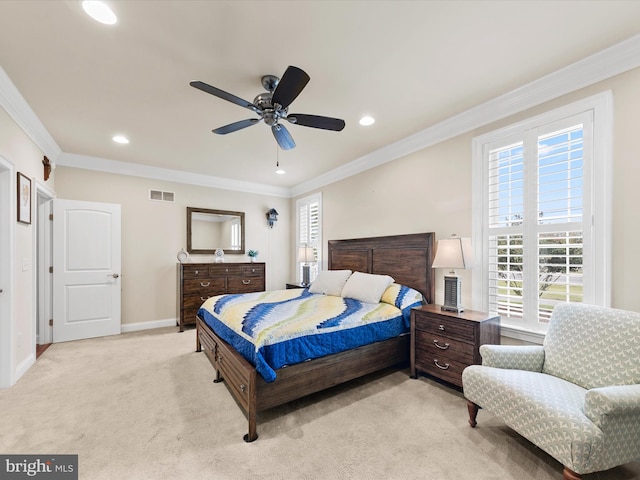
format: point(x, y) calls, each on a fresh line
point(153, 232)
point(430, 190)
point(18, 149)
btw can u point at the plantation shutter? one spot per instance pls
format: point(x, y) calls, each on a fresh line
point(536, 209)
point(309, 231)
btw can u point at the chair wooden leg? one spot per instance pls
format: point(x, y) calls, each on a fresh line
point(473, 413)
point(570, 475)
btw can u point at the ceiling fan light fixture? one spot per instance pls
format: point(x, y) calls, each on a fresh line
point(99, 11)
point(367, 120)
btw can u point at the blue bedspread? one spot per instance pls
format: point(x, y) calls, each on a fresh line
point(285, 327)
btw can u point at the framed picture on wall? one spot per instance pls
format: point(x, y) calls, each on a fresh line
point(24, 198)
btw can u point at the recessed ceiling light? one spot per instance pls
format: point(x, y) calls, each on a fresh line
point(99, 11)
point(367, 120)
point(280, 171)
point(120, 139)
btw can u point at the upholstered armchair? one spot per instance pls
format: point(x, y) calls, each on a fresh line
point(577, 396)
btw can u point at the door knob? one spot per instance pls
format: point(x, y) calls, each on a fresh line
point(114, 275)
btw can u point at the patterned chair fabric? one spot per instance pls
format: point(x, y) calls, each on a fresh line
point(577, 396)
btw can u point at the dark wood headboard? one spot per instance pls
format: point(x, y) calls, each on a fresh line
point(407, 258)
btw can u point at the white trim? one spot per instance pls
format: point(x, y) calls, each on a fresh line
point(25, 365)
point(17, 107)
point(7, 252)
point(136, 327)
point(157, 173)
point(42, 237)
point(607, 63)
point(524, 335)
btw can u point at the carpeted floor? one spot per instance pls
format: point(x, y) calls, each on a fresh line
point(142, 406)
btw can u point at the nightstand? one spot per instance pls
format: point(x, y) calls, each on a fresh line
point(295, 285)
point(444, 343)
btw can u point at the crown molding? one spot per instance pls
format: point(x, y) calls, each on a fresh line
point(600, 66)
point(19, 110)
point(605, 64)
point(136, 170)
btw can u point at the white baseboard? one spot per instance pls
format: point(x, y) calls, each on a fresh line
point(135, 327)
point(25, 365)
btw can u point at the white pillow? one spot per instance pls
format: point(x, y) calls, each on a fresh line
point(330, 282)
point(366, 287)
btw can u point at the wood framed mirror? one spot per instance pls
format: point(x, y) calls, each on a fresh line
point(208, 230)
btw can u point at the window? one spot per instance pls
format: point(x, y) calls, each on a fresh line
point(541, 200)
point(309, 230)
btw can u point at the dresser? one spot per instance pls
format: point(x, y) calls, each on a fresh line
point(444, 343)
point(199, 281)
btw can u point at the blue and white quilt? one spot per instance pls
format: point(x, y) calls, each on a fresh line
point(284, 327)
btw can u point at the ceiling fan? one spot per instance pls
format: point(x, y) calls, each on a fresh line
point(272, 106)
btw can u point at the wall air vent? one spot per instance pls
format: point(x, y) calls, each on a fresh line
point(161, 196)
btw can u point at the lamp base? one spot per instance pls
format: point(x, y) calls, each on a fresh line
point(452, 290)
point(305, 275)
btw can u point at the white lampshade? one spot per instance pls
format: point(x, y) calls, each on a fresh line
point(454, 253)
point(305, 254)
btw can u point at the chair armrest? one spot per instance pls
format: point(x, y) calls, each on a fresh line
point(603, 402)
point(514, 357)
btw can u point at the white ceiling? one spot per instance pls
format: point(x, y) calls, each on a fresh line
point(410, 64)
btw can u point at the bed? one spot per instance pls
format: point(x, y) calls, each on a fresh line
point(406, 258)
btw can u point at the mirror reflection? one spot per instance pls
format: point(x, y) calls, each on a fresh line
point(208, 230)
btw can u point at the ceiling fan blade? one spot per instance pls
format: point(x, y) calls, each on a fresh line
point(283, 137)
point(234, 127)
point(316, 121)
point(290, 86)
point(223, 95)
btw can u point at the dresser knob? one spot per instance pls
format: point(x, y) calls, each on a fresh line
point(441, 327)
point(242, 387)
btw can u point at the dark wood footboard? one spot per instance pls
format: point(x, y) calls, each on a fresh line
point(253, 394)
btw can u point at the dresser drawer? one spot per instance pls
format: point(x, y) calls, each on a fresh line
point(195, 271)
point(202, 286)
point(222, 270)
point(245, 284)
point(444, 347)
point(253, 271)
point(194, 301)
point(444, 326)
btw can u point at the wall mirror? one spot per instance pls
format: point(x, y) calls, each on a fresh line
point(209, 229)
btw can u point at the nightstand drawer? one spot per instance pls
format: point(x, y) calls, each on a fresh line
point(449, 327)
point(438, 346)
point(444, 368)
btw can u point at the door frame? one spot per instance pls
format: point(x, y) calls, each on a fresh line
point(7, 249)
point(43, 259)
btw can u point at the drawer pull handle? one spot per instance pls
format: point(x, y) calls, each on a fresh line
point(197, 272)
point(202, 299)
point(441, 367)
point(202, 284)
point(253, 270)
point(441, 327)
point(441, 347)
point(242, 387)
point(226, 270)
point(246, 282)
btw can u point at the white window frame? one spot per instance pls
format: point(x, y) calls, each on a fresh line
point(596, 199)
point(317, 244)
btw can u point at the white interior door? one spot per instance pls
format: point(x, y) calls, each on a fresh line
point(86, 269)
